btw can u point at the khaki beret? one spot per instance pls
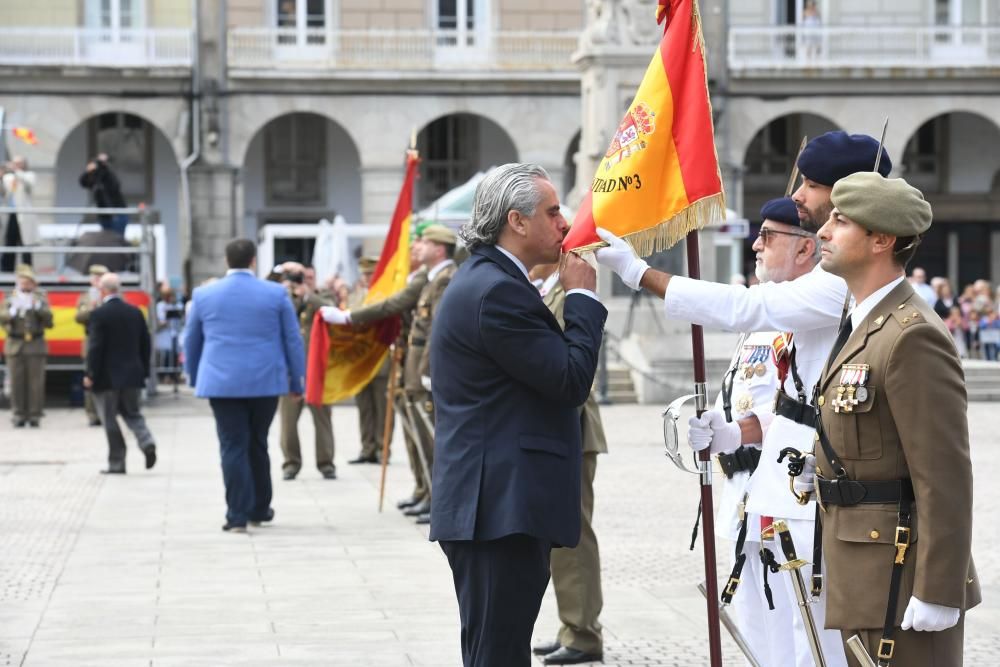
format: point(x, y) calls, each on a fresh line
point(439, 234)
point(97, 270)
point(883, 205)
point(367, 264)
point(25, 271)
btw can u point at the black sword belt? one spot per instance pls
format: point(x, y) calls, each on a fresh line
point(743, 459)
point(847, 492)
point(799, 412)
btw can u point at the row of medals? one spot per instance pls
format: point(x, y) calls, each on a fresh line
point(751, 364)
point(852, 389)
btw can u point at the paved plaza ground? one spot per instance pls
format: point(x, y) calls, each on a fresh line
point(134, 570)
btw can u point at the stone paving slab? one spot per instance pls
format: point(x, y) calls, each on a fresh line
point(134, 570)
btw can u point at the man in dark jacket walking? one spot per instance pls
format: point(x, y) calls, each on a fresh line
point(118, 352)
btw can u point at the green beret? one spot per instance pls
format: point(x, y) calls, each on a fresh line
point(417, 230)
point(439, 234)
point(884, 205)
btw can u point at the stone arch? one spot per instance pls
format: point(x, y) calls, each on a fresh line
point(454, 146)
point(956, 151)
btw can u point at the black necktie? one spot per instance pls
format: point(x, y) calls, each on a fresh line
point(842, 335)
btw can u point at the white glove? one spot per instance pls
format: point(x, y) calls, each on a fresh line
point(334, 315)
point(806, 481)
point(924, 616)
point(618, 257)
point(712, 430)
point(13, 311)
point(425, 381)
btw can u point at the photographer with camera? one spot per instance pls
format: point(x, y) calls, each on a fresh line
point(106, 191)
point(300, 281)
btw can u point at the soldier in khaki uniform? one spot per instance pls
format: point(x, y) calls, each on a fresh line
point(85, 305)
point(25, 315)
point(437, 250)
point(894, 473)
point(372, 399)
point(404, 304)
point(301, 284)
point(576, 572)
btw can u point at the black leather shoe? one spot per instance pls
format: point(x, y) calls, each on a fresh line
point(19, 423)
point(265, 519)
point(150, 453)
point(95, 422)
point(113, 471)
point(407, 502)
point(233, 528)
point(546, 648)
point(288, 475)
point(422, 507)
point(364, 459)
point(33, 423)
point(565, 655)
point(329, 473)
point(424, 519)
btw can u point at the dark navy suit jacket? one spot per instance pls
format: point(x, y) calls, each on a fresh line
point(508, 383)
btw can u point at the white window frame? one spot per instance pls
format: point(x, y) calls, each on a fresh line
point(301, 46)
point(462, 44)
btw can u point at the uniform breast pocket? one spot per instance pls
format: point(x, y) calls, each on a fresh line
point(857, 435)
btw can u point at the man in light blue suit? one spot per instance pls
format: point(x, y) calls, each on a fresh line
point(242, 351)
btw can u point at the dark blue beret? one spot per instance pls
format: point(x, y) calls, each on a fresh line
point(780, 210)
point(834, 155)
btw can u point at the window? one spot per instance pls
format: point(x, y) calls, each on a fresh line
point(769, 152)
point(128, 141)
point(924, 153)
point(114, 14)
point(302, 21)
point(456, 21)
point(450, 150)
point(295, 158)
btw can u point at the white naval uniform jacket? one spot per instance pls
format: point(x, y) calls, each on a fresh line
point(753, 394)
point(810, 307)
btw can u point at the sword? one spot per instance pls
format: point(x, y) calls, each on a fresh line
point(860, 653)
point(794, 567)
point(734, 631)
point(795, 167)
point(414, 430)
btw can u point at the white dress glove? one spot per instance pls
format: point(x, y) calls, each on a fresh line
point(13, 311)
point(425, 382)
point(806, 481)
point(924, 616)
point(713, 431)
point(620, 258)
point(334, 315)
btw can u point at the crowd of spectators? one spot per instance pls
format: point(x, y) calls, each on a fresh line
point(971, 317)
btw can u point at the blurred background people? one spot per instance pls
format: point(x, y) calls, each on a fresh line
point(25, 315)
point(106, 192)
point(22, 228)
point(85, 305)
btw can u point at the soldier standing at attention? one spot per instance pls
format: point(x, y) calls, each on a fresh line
point(300, 281)
point(894, 473)
point(437, 250)
point(85, 305)
point(403, 304)
point(25, 315)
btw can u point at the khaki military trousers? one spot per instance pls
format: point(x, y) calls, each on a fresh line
point(916, 649)
point(371, 415)
point(576, 575)
point(27, 385)
point(424, 418)
point(289, 410)
point(416, 467)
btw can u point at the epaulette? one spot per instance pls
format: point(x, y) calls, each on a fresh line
point(907, 315)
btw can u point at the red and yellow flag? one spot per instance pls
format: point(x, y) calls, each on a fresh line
point(25, 134)
point(342, 360)
point(660, 176)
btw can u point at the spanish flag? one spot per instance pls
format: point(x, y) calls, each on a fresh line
point(659, 178)
point(25, 134)
point(342, 360)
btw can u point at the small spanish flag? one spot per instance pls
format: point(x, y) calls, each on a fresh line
point(659, 179)
point(25, 134)
point(342, 360)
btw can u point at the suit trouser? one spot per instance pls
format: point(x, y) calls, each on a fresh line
point(499, 584)
point(371, 415)
point(27, 385)
point(125, 402)
point(242, 425)
point(290, 410)
point(419, 485)
point(833, 645)
point(917, 649)
point(576, 576)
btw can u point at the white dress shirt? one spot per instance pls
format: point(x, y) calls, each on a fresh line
point(520, 265)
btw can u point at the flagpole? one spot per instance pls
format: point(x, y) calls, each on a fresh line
point(705, 464)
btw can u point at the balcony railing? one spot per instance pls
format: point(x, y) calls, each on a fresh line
point(318, 48)
point(796, 48)
point(154, 47)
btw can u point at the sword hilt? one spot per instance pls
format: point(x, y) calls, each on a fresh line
point(787, 545)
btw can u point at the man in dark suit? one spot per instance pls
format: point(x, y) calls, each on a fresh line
point(242, 351)
point(117, 368)
point(508, 383)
